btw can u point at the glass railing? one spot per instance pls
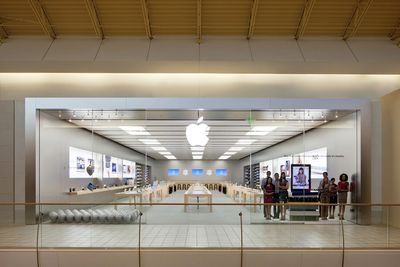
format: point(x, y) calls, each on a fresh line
point(199, 225)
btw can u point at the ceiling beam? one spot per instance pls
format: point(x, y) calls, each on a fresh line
point(305, 17)
point(199, 32)
point(145, 12)
point(94, 17)
point(356, 19)
point(42, 18)
point(253, 17)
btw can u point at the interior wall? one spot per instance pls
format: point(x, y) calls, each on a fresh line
point(7, 160)
point(340, 138)
point(391, 153)
point(162, 166)
point(56, 137)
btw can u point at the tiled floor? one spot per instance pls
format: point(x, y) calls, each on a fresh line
point(169, 226)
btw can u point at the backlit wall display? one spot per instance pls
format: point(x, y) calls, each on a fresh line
point(197, 172)
point(112, 167)
point(80, 159)
point(128, 169)
point(283, 165)
point(318, 160)
point(266, 166)
point(173, 172)
point(221, 172)
point(301, 177)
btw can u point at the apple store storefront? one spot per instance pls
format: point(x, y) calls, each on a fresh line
point(192, 172)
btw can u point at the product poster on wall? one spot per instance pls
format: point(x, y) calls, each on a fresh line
point(265, 166)
point(301, 179)
point(112, 167)
point(318, 160)
point(299, 159)
point(283, 165)
point(128, 169)
point(80, 159)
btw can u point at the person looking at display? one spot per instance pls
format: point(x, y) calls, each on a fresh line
point(343, 188)
point(277, 208)
point(332, 198)
point(269, 190)
point(263, 184)
point(283, 194)
point(324, 198)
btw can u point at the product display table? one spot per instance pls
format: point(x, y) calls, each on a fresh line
point(245, 194)
point(197, 191)
point(136, 194)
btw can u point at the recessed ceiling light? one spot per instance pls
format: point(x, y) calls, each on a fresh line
point(197, 157)
point(197, 152)
point(158, 148)
point(134, 130)
point(261, 130)
point(170, 157)
point(149, 141)
point(235, 148)
point(230, 153)
point(224, 157)
point(197, 148)
point(245, 141)
point(165, 153)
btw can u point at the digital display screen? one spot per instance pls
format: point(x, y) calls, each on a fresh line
point(80, 160)
point(221, 172)
point(197, 172)
point(301, 177)
point(112, 167)
point(173, 172)
point(128, 169)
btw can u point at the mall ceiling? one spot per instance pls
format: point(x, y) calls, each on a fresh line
point(247, 18)
point(229, 130)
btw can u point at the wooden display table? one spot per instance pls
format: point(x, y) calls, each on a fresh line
point(136, 194)
point(99, 190)
point(197, 191)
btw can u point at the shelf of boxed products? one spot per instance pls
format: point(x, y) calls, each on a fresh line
point(99, 190)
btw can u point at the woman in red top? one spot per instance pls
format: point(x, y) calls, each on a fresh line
point(269, 191)
point(343, 188)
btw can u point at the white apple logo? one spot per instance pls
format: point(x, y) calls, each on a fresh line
point(196, 134)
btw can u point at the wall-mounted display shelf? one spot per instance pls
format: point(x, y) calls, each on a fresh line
point(99, 190)
point(247, 175)
point(255, 175)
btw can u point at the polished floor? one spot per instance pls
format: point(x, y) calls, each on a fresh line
point(170, 226)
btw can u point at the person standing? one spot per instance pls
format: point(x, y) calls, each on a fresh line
point(324, 198)
point(269, 191)
point(332, 198)
point(277, 208)
point(324, 174)
point(343, 188)
point(283, 194)
point(263, 184)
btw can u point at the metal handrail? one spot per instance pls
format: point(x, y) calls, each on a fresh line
point(195, 204)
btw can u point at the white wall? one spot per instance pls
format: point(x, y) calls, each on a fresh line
point(339, 137)
point(56, 137)
point(162, 166)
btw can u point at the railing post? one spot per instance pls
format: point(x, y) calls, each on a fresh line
point(241, 239)
point(139, 244)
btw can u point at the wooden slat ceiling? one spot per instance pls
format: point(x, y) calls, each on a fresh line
point(336, 18)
